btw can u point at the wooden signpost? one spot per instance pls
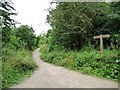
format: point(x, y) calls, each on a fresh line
point(101, 40)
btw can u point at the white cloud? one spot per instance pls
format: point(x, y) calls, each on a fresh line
point(32, 12)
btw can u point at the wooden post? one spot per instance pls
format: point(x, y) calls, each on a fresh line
point(101, 40)
point(101, 43)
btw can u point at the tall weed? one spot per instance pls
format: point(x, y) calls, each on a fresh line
point(16, 65)
point(87, 61)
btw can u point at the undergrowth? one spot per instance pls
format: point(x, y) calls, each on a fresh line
point(87, 61)
point(16, 66)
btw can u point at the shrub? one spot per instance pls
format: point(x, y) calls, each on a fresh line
point(88, 62)
point(16, 65)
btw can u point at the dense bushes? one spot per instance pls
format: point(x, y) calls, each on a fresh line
point(16, 65)
point(87, 61)
point(17, 46)
point(26, 34)
point(75, 24)
point(17, 62)
point(73, 27)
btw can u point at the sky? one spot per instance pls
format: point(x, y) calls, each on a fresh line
point(33, 13)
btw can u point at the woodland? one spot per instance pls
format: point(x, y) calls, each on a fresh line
point(69, 43)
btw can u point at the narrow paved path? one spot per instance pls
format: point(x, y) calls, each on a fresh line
point(50, 76)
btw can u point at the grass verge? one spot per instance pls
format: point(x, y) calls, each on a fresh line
point(105, 65)
point(16, 66)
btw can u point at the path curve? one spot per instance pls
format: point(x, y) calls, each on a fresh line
point(50, 76)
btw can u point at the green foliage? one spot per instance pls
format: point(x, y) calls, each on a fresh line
point(17, 62)
point(87, 61)
point(6, 11)
point(44, 48)
point(42, 40)
point(16, 43)
point(16, 65)
point(22, 37)
point(26, 34)
point(115, 41)
point(75, 24)
point(73, 28)
point(115, 6)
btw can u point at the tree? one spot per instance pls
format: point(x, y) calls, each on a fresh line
point(6, 11)
point(75, 24)
point(26, 34)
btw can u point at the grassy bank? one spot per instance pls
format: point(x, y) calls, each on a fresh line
point(87, 61)
point(16, 66)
